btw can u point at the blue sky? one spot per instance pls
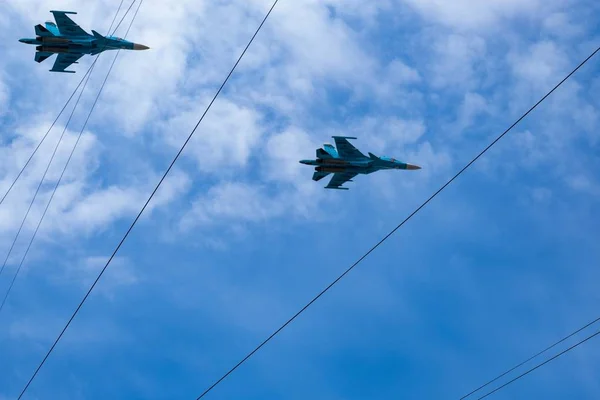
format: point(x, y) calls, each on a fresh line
point(499, 265)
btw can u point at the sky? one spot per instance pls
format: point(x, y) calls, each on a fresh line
point(238, 238)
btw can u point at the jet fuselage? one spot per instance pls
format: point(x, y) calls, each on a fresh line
point(346, 161)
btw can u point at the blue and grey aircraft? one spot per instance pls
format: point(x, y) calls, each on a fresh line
point(347, 161)
point(70, 42)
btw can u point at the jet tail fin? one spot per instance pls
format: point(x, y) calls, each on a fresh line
point(97, 35)
point(40, 30)
point(42, 55)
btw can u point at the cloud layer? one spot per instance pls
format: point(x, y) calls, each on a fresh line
point(238, 237)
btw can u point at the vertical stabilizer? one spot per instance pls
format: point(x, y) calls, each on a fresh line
point(51, 26)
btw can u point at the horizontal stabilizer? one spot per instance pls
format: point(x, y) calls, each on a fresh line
point(42, 55)
point(322, 154)
point(40, 30)
point(63, 12)
point(319, 175)
point(336, 187)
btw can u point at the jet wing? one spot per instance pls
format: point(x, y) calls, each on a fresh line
point(66, 25)
point(345, 149)
point(63, 60)
point(338, 179)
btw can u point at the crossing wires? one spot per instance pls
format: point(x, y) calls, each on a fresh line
point(62, 110)
point(68, 160)
point(339, 278)
point(147, 201)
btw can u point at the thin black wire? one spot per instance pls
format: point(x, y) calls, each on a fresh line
point(59, 114)
point(33, 200)
point(42, 180)
point(395, 229)
point(71, 154)
point(147, 201)
point(44, 137)
point(540, 365)
point(531, 358)
point(50, 163)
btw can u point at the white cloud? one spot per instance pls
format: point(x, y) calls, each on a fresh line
point(237, 202)
point(472, 106)
point(283, 152)
point(4, 97)
point(561, 25)
point(226, 138)
point(477, 15)
point(540, 65)
point(83, 272)
point(455, 60)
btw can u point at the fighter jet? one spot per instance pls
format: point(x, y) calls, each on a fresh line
point(346, 162)
point(71, 42)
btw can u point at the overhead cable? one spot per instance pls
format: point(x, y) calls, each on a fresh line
point(58, 116)
point(89, 74)
point(144, 206)
point(393, 230)
point(531, 358)
point(540, 365)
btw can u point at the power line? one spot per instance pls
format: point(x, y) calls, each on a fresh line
point(59, 114)
point(531, 358)
point(88, 74)
point(43, 178)
point(72, 150)
point(44, 137)
point(541, 364)
point(147, 202)
point(395, 229)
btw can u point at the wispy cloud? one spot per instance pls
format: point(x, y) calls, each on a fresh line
point(239, 236)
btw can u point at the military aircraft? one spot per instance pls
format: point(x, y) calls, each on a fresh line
point(346, 162)
point(71, 42)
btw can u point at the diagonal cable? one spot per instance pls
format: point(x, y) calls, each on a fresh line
point(86, 77)
point(531, 358)
point(146, 203)
point(88, 74)
point(43, 178)
point(67, 163)
point(59, 114)
point(540, 365)
point(395, 229)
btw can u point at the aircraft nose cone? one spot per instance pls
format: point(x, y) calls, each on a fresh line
point(411, 166)
point(140, 47)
